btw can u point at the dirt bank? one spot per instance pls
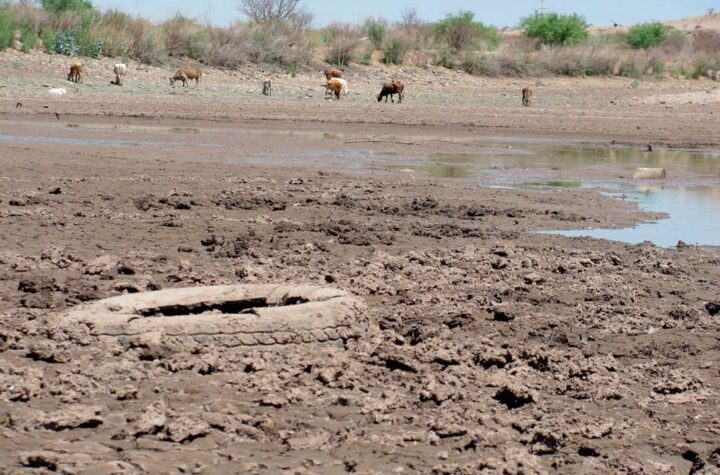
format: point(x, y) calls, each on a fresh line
point(677, 113)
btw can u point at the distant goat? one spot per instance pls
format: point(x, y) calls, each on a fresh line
point(186, 74)
point(77, 71)
point(120, 71)
point(267, 87)
point(390, 89)
point(332, 73)
point(527, 95)
point(335, 87)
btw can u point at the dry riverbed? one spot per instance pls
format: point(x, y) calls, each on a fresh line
point(495, 348)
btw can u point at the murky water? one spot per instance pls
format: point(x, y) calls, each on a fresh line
point(690, 197)
point(693, 218)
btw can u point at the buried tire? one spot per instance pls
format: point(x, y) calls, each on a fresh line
point(228, 315)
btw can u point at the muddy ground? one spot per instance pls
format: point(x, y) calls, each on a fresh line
point(497, 350)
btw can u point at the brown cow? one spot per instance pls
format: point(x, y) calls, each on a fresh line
point(335, 87)
point(527, 94)
point(77, 71)
point(186, 74)
point(390, 89)
point(332, 73)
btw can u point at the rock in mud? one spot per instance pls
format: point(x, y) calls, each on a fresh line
point(73, 417)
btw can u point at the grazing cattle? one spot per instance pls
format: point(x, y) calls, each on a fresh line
point(120, 71)
point(186, 74)
point(77, 71)
point(527, 95)
point(390, 89)
point(344, 83)
point(267, 87)
point(332, 73)
point(335, 87)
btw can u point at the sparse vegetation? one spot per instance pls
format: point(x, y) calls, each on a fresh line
point(646, 35)
point(344, 42)
point(276, 34)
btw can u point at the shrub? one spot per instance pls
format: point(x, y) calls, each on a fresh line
point(28, 39)
point(462, 32)
point(376, 29)
point(554, 29)
point(6, 30)
point(657, 66)
point(148, 44)
point(185, 37)
point(66, 43)
point(59, 6)
point(628, 68)
point(116, 33)
point(48, 38)
point(445, 58)
point(473, 63)
point(700, 68)
point(646, 35)
point(344, 42)
point(394, 50)
point(366, 57)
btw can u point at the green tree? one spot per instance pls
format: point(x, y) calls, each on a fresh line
point(646, 35)
point(462, 32)
point(554, 29)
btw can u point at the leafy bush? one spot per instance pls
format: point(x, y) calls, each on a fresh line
point(461, 32)
point(6, 30)
point(646, 35)
point(376, 29)
point(59, 6)
point(394, 50)
point(554, 29)
point(66, 43)
point(473, 63)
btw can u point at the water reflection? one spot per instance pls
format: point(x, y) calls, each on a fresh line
point(693, 217)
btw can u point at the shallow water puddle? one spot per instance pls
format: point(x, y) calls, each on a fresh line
point(693, 218)
point(690, 197)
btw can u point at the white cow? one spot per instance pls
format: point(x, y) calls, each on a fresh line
point(345, 89)
point(120, 71)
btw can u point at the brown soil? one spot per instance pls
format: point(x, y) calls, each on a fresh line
point(498, 350)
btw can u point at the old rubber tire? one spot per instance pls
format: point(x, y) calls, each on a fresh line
point(228, 315)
